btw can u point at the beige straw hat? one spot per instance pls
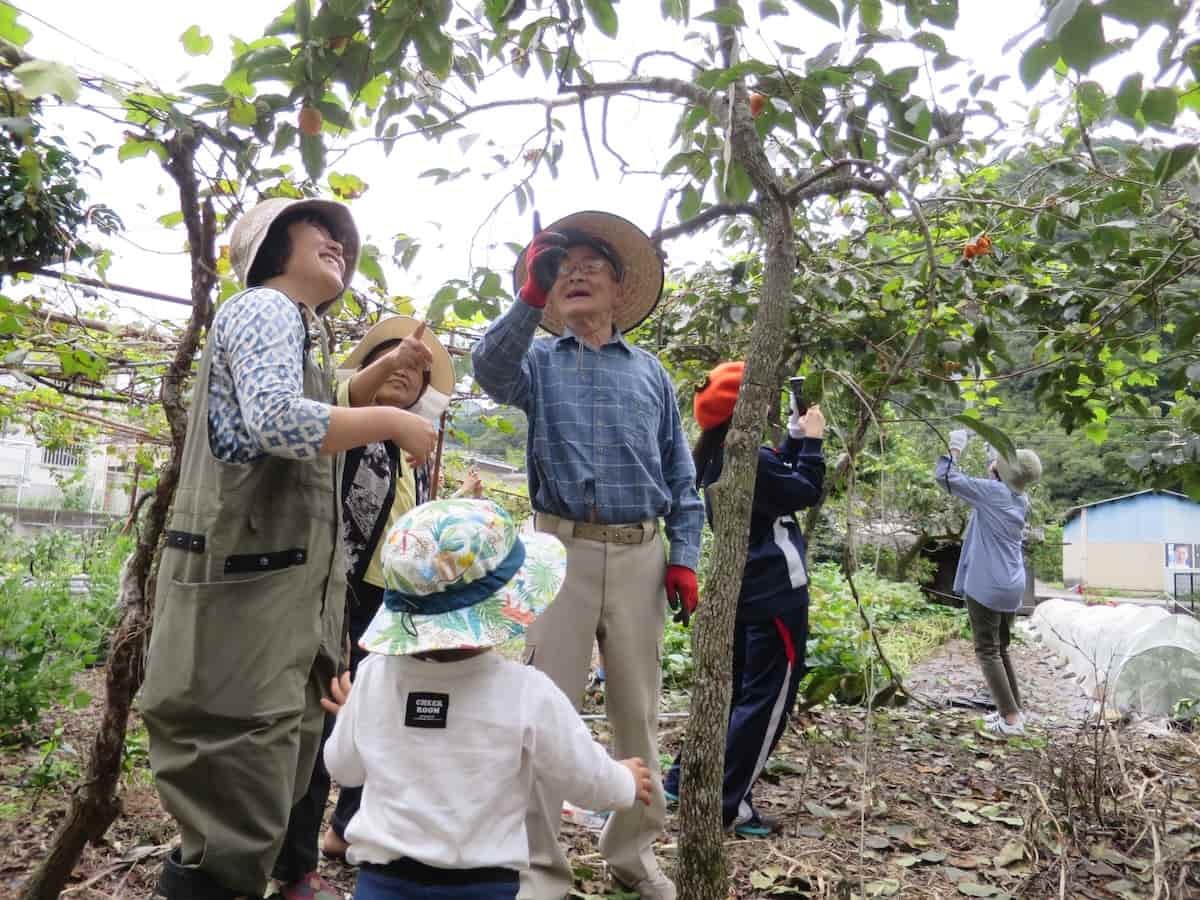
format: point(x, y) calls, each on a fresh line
point(641, 266)
point(395, 328)
point(251, 230)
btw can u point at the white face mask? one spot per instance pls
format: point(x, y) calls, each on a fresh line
point(430, 405)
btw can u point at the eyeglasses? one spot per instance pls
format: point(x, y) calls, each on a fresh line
point(593, 266)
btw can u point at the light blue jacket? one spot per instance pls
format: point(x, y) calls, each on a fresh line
point(991, 570)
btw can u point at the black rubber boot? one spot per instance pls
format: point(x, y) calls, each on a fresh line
point(180, 882)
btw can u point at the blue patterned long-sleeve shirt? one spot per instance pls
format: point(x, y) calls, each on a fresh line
point(256, 402)
point(605, 441)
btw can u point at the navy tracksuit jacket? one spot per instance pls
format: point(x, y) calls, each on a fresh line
point(772, 618)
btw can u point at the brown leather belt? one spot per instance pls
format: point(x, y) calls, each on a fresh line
point(637, 533)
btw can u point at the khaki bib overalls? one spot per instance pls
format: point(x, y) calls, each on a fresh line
point(247, 634)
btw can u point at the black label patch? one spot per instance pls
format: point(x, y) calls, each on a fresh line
point(426, 710)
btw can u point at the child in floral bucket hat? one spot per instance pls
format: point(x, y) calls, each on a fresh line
point(447, 737)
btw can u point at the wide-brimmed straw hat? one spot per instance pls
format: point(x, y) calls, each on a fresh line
point(641, 266)
point(252, 228)
point(396, 328)
point(460, 577)
point(1022, 471)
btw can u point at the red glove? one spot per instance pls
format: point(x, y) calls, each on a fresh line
point(542, 259)
point(682, 592)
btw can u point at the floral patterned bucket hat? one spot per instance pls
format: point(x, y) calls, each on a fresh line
point(459, 577)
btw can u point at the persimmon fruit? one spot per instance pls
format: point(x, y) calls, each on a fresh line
point(310, 121)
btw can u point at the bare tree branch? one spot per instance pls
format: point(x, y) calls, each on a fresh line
point(705, 218)
point(674, 87)
point(905, 166)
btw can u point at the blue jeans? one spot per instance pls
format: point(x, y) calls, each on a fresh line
point(375, 885)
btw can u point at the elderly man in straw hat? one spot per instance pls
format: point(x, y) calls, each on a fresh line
point(251, 584)
point(607, 459)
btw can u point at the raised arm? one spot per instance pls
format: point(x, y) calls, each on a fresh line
point(501, 357)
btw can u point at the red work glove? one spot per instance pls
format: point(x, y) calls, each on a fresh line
point(542, 259)
point(683, 594)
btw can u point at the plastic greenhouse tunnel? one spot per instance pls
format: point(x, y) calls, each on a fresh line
point(1136, 659)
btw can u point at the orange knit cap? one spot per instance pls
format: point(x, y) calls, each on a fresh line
point(714, 402)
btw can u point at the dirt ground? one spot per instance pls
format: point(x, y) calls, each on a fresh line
point(913, 802)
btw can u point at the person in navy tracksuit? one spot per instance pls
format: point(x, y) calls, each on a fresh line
point(772, 619)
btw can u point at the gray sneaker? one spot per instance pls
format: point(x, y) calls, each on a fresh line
point(655, 887)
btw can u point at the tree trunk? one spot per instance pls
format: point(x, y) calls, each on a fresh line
point(95, 804)
point(702, 871)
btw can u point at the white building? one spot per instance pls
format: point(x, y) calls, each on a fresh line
point(34, 477)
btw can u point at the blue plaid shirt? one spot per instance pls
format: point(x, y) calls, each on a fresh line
point(605, 440)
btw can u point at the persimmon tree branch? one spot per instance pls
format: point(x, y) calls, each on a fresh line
point(705, 218)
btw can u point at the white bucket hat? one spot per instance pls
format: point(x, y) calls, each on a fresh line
point(460, 576)
point(640, 267)
point(252, 228)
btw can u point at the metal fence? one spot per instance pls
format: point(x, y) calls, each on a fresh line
point(1187, 589)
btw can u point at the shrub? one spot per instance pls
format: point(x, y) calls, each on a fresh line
point(840, 653)
point(47, 633)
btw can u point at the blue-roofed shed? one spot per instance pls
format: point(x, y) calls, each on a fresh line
point(1137, 541)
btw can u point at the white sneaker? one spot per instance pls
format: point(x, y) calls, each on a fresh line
point(1001, 728)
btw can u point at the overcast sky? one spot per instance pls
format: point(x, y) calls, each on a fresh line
point(139, 39)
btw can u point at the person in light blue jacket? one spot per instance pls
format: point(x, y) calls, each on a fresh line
point(991, 569)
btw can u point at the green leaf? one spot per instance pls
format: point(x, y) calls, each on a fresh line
point(433, 48)
point(1129, 95)
point(238, 84)
point(1082, 39)
point(824, 9)
point(40, 77)
point(1142, 13)
point(346, 187)
point(312, 151)
point(368, 265)
point(135, 149)
point(1172, 161)
point(689, 203)
point(603, 15)
point(1160, 105)
point(195, 42)
point(303, 14)
point(1091, 101)
point(1096, 432)
point(871, 12)
point(1060, 15)
point(990, 433)
point(726, 15)
point(768, 8)
point(677, 10)
point(242, 112)
point(10, 29)
point(1037, 60)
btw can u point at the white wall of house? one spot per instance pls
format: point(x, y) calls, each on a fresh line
point(28, 474)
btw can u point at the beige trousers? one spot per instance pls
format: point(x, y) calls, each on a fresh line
point(613, 594)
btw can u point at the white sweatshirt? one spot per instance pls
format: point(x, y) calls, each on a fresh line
point(447, 753)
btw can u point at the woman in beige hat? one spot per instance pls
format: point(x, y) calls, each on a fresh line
point(251, 584)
